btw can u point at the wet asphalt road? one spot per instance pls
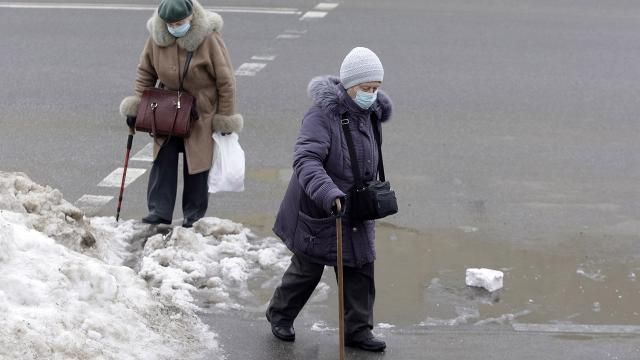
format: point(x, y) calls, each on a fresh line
point(251, 340)
point(513, 146)
point(518, 119)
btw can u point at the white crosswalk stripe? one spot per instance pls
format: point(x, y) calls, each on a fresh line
point(114, 179)
point(92, 203)
point(145, 154)
point(250, 69)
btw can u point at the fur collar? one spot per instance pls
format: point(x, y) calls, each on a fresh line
point(328, 93)
point(204, 23)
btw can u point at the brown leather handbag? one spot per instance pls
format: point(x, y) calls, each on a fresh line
point(165, 112)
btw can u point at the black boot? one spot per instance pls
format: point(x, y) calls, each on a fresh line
point(186, 223)
point(368, 344)
point(282, 332)
point(155, 220)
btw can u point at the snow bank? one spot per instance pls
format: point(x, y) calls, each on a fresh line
point(56, 303)
point(218, 256)
point(65, 294)
point(45, 210)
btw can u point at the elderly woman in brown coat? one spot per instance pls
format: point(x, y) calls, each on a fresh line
point(176, 28)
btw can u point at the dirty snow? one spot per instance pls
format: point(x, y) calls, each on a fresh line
point(461, 306)
point(385, 326)
point(66, 293)
point(321, 326)
point(218, 257)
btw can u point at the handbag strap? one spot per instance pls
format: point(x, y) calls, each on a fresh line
point(377, 133)
point(352, 151)
point(186, 67)
point(153, 127)
point(344, 121)
point(184, 74)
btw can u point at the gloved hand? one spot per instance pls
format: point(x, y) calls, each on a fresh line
point(131, 121)
point(334, 207)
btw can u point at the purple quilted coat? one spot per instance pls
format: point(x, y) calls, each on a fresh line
point(322, 173)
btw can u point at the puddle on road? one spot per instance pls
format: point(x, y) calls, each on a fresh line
point(421, 277)
point(585, 279)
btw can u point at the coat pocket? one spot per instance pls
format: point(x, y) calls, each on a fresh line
point(316, 237)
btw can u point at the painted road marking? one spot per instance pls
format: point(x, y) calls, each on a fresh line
point(114, 179)
point(294, 31)
point(576, 328)
point(263, 57)
point(132, 7)
point(313, 15)
point(319, 11)
point(326, 6)
point(288, 36)
point(250, 69)
point(92, 203)
point(146, 154)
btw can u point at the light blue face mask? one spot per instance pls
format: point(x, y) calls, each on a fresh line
point(179, 31)
point(365, 99)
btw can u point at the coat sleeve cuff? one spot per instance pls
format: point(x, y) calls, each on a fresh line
point(129, 106)
point(331, 196)
point(228, 123)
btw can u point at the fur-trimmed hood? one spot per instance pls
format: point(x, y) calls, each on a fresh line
point(328, 93)
point(204, 23)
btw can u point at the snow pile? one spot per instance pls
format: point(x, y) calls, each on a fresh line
point(45, 210)
point(74, 288)
point(122, 241)
point(218, 256)
point(56, 303)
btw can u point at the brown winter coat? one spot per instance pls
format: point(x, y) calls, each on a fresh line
point(210, 79)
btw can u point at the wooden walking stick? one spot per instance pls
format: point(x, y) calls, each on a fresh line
point(132, 131)
point(340, 278)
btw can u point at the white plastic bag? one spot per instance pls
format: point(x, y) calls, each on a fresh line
point(227, 170)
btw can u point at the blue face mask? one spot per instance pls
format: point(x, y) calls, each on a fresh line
point(365, 99)
point(179, 31)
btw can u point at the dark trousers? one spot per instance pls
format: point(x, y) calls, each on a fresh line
point(163, 185)
point(302, 277)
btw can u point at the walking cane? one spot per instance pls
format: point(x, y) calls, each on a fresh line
point(124, 173)
point(340, 278)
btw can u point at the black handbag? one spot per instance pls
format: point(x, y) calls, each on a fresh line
point(375, 199)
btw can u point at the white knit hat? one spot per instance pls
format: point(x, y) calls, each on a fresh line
point(361, 65)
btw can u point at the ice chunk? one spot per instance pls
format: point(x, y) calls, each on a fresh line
point(489, 279)
point(211, 226)
point(385, 326)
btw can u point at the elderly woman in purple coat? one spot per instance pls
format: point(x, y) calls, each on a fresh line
point(323, 175)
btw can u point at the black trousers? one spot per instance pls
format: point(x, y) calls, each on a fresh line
point(163, 185)
point(302, 277)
